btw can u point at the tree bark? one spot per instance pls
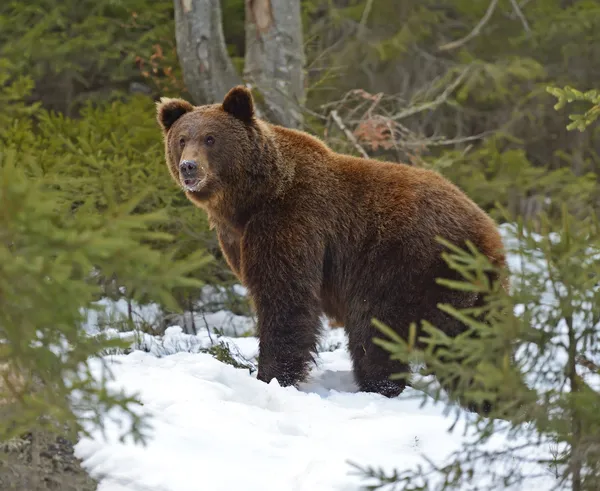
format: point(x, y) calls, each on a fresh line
point(274, 60)
point(208, 72)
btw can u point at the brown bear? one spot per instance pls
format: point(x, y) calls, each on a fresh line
point(310, 231)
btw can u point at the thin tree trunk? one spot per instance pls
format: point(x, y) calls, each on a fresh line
point(193, 320)
point(576, 454)
point(274, 59)
point(129, 311)
point(208, 72)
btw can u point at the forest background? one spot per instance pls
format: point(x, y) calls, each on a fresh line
point(460, 86)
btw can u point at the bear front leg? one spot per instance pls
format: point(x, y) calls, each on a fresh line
point(283, 276)
point(287, 340)
point(229, 243)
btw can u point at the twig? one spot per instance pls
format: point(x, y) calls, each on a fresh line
point(432, 142)
point(314, 114)
point(520, 15)
point(369, 111)
point(365, 16)
point(208, 329)
point(348, 133)
point(436, 102)
point(521, 7)
point(191, 307)
point(474, 32)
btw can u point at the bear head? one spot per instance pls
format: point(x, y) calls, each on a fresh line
point(218, 152)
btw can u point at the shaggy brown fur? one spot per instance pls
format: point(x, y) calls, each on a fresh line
point(310, 231)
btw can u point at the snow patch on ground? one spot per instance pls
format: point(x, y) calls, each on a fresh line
point(112, 315)
point(215, 427)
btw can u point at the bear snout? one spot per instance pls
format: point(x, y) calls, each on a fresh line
point(191, 173)
point(188, 169)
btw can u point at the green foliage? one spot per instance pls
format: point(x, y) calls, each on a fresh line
point(110, 154)
point(84, 50)
point(498, 171)
point(568, 95)
point(222, 352)
point(15, 122)
point(14, 90)
point(88, 210)
point(48, 264)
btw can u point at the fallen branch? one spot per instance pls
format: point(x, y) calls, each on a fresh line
point(476, 30)
point(348, 133)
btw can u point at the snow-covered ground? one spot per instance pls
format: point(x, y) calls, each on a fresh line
point(215, 427)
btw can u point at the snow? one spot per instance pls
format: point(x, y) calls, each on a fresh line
point(111, 312)
point(215, 427)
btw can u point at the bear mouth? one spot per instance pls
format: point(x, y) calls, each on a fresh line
point(193, 184)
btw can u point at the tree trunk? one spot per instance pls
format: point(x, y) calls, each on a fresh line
point(208, 72)
point(274, 59)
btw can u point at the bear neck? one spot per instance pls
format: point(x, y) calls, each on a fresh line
point(267, 182)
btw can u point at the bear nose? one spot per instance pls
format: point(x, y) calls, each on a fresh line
point(188, 168)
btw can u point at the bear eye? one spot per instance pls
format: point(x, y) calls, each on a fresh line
point(182, 142)
point(209, 140)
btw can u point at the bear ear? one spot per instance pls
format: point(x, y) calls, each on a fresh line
point(170, 110)
point(239, 103)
